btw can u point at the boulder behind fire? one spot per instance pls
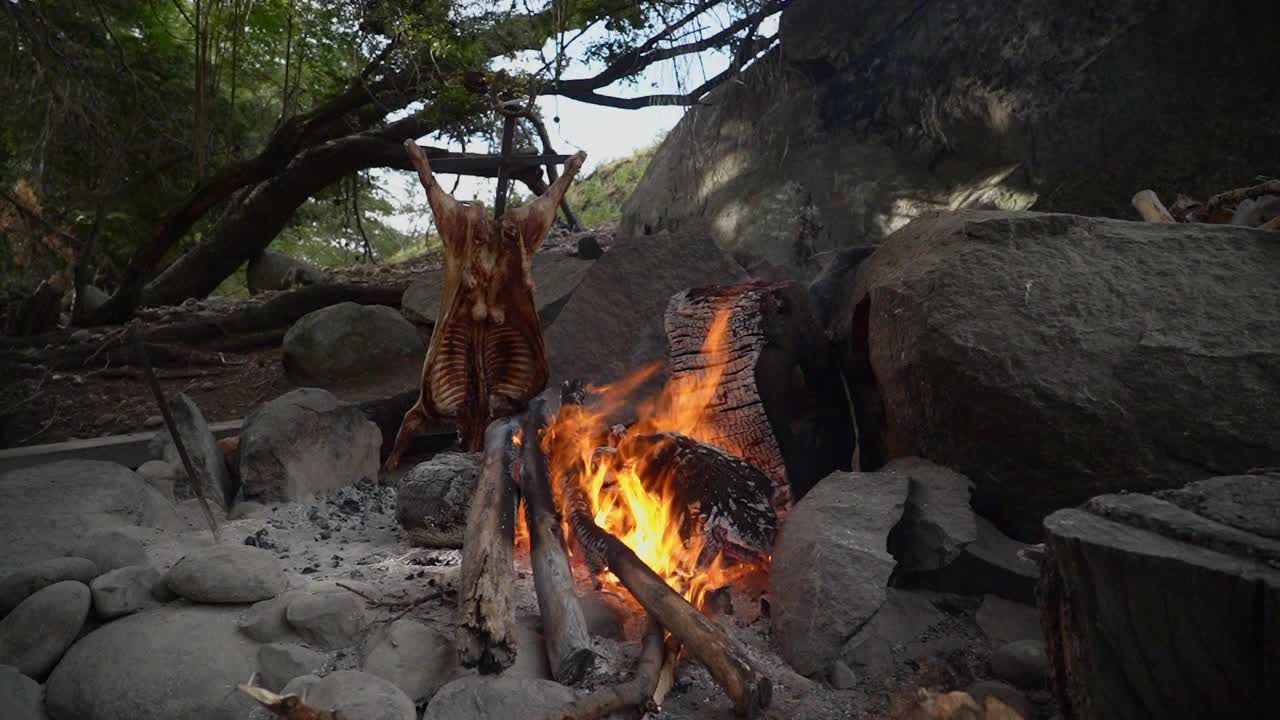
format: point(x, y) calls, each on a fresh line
point(1054, 357)
point(349, 340)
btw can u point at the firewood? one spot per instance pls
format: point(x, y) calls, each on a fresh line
point(1218, 204)
point(287, 707)
point(1272, 225)
point(486, 629)
point(1148, 205)
point(487, 356)
point(780, 402)
point(637, 692)
point(568, 641)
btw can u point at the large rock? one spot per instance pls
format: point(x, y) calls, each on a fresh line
point(556, 275)
point(489, 697)
point(125, 590)
point(938, 522)
point(1004, 622)
point(328, 618)
point(35, 635)
point(265, 621)
point(227, 574)
point(992, 564)
point(164, 663)
point(414, 657)
point(278, 663)
point(831, 564)
point(354, 695)
point(982, 326)
point(27, 581)
point(1139, 592)
point(870, 126)
point(21, 697)
point(201, 446)
point(110, 550)
point(903, 617)
point(348, 340)
point(45, 510)
point(275, 271)
point(613, 323)
point(432, 499)
point(306, 442)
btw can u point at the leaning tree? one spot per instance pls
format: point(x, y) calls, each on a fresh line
point(419, 67)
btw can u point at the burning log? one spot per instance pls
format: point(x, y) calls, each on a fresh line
point(780, 403)
point(638, 692)
point(486, 632)
point(564, 627)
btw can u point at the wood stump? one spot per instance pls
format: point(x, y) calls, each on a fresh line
point(1166, 607)
point(780, 404)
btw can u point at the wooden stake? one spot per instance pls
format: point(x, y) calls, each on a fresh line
point(564, 626)
point(486, 630)
point(638, 692)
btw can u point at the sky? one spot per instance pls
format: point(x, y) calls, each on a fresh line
point(605, 134)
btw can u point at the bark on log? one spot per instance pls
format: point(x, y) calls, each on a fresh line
point(637, 692)
point(486, 630)
point(568, 641)
point(780, 404)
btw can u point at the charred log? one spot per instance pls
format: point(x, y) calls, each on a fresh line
point(639, 692)
point(780, 404)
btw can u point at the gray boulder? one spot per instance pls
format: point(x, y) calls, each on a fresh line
point(303, 443)
point(227, 574)
point(348, 340)
point(414, 657)
point(278, 663)
point(981, 325)
point(46, 510)
point(992, 564)
point(276, 271)
point(329, 619)
point(26, 581)
point(831, 565)
point(937, 523)
point(110, 550)
point(420, 303)
point(202, 447)
point(354, 695)
point(488, 697)
point(164, 663)
point(21, 697)
point(433, 497)
point(1022, 663)
point(613, 322)
point(903, 618)
point(265, 621)
point(125, 590)
point(161, 475)
point(1003, 622)
point(35, 635)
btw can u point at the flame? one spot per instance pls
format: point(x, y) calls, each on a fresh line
point(639, 504)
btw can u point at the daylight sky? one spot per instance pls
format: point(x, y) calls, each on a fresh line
point(604, 133)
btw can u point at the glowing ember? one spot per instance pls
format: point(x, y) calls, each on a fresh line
point(642, 505)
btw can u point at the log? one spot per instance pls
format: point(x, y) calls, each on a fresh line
point(486, 629)
point(780, 403)
point(1149, 207)
point(286, 707)
point(1216, 208)
point(637, 692)
point(564, 627)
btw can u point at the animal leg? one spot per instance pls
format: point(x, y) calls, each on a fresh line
point(414, 423)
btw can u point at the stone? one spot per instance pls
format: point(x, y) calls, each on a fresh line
point(355, 695)
point(613, 322)
point(1003, 622)
point(153, 421)
point(93, 299)
point(1005, 693)
point(21, 697)
point(328, 619)
point(303, 443)
point(1022, 663)
point(227, 574)
point(903, 617)
point(271, 270)
point(605, 613)
point(531, 651)
point(414, 657)
point(265, 621)
point(831, 565)
point(982, 324)
point(937, 523)
point(589, 248)
point(26, 581)
point(202, 447)
point(35, 635)
point(278, 663)
point(1137, 591)
point(124, 590)
point(845, 159)
point(160, 475)
point(433, 497)
point(346, 340)
point(501, 697)
point(420, 303)
point(992, 564)
point(843, 677)
point(163, 663)
point(110, 550)
point(46, 510)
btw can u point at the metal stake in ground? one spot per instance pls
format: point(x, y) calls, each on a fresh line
point(196, 481)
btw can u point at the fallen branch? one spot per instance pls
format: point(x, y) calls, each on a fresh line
point(1235, 197)
point(638, 692)
point(289, 707)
